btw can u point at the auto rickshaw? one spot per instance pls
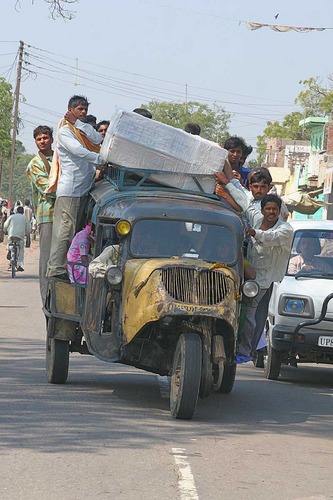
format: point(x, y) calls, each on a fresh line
point(163, 292)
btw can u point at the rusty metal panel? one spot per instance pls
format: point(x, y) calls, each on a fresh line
point(148, 283)
point(65, 298)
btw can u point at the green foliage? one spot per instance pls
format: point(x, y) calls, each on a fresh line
point(21, 188)
point(261, 149)
point(252, 164)
point(6, 105)
point(288, 129)
point(213, 120)
point(314, 100)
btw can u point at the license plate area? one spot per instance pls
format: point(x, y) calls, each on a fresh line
point(325, 341)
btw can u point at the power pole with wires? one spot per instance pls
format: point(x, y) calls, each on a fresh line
point(15, 119)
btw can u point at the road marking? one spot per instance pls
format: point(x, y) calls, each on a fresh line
point(164, 385)
point(186, 483)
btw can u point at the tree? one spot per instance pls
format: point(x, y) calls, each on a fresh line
point(6, 105)
point(252, 164)
point(57, 8)
point(314, 100)
point(288, 129)
point(21, 185)
point(213, 120)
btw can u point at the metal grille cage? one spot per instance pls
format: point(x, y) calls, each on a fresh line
point(201, 287)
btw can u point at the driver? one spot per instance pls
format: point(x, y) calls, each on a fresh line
point(308, 247)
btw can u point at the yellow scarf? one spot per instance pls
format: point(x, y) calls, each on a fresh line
point(84, 139)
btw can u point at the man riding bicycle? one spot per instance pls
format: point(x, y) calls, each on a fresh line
point(17, 225)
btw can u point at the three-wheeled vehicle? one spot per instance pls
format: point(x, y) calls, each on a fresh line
point(163, 292)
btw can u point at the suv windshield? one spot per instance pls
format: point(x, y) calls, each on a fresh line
point(167, 238)
point(311, 253)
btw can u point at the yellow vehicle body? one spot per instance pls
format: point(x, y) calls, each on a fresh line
point(159, 288)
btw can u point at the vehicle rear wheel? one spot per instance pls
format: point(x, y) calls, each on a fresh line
point(258, 360)
point(206, 368)
point(186, 376)
point(272, 362)
point(228, 378)
point(57, 359)
point(13, 261)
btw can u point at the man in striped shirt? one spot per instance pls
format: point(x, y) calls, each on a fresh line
point(38, 172)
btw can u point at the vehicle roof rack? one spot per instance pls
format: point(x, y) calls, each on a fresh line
point(130, 179)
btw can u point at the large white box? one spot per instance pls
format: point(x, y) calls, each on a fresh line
point(139, 143)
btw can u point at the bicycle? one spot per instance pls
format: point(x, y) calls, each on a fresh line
point(14, 247)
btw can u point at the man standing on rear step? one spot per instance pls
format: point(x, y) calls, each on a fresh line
point(38, 172)
point(268, 253)
point(78, 151)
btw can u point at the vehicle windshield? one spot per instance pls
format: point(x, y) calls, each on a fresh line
point(311, 254)
point(168, 238)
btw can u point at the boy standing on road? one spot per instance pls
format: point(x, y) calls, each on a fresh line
point(38, 172)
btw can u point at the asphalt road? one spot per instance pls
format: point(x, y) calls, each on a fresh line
point(108, 434)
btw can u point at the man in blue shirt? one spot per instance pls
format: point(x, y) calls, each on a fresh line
point(238, 152)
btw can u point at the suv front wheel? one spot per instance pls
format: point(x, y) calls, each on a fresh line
point(272, 362)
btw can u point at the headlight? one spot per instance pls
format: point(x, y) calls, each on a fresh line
point(250, 289)
point(114, 276)
point(296, 305)
point(123, 227)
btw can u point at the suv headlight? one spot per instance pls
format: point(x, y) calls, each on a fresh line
point(114, 276)
point(250, 289)
point(296, 305)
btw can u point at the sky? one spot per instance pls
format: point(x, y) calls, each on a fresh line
point(124, 53)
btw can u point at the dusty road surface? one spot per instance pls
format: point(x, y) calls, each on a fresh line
point(107, 433)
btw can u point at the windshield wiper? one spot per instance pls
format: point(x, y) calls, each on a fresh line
point(313, 274)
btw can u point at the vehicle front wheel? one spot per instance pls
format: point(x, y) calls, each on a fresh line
point(186, 376)
point(272, 362)
point(57, 359)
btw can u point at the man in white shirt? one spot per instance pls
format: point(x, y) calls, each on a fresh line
point(78, 151)
point(260, 184)
point(17, 225)
point(268, 253)
point(28, 213)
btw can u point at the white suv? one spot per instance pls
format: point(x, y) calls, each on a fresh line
point(300, 329)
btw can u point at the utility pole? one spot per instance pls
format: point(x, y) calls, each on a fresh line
point(15, 119)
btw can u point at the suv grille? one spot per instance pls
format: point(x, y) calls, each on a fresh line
point(200, 287)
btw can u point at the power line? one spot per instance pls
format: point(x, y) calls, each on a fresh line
point(159, 79)
point(134, 90)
